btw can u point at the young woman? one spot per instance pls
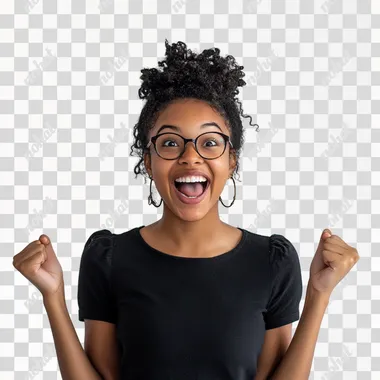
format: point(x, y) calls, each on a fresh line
point(189, 296)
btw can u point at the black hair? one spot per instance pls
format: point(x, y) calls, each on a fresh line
point(205, 76)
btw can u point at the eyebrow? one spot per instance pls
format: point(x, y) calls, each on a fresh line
point(177, 129)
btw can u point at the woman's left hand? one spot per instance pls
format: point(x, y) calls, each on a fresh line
point(333, 259)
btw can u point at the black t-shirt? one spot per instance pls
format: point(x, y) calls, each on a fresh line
point(180, 318)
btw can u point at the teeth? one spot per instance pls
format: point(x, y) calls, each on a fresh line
point(188, 196)
point(191, 179)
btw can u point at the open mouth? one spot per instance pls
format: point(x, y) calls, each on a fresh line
point(191, 189)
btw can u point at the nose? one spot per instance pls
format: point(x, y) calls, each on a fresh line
point(190, 154)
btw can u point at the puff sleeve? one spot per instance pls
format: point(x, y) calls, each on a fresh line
point(95, 295)
point(283, 304)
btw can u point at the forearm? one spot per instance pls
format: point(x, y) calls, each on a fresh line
point(297, 361)
point(73, 362)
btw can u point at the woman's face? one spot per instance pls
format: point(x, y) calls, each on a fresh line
point(189, 115)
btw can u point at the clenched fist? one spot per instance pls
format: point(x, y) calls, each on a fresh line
point(333, 259)
point(39, 264)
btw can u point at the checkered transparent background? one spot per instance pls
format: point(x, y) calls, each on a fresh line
point(312, 73)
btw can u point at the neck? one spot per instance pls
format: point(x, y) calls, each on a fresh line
point(191, 235)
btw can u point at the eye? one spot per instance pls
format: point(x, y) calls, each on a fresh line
point(164, 142)
point(211, 140)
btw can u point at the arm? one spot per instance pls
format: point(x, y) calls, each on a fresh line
point(105, 356)
point(276, 342)
point(73, 362)
point(333, 259)
point(296, 363)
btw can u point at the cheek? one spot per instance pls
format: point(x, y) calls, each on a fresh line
point(161, 170)
point(221, 165)
point(219, 169)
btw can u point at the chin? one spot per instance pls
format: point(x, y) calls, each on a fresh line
point(190, 215)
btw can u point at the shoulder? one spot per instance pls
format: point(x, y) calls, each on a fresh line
point(99, 246)
point(96, 284)
point(281, 250)
point(100, 235)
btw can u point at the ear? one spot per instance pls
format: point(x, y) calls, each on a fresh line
point(147, 163)
point(232, 161)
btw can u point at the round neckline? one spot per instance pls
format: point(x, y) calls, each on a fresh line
point(220, 257)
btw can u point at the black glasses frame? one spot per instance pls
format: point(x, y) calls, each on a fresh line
point(154, 139)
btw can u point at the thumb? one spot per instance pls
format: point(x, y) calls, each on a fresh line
point(45, 240)
point(326, 233)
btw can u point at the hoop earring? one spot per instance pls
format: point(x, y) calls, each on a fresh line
point(151, 201)
point(234, 195)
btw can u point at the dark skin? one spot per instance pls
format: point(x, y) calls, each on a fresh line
point(190, 230)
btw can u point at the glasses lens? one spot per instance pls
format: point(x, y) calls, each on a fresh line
point(210, 145)
point(169, 145)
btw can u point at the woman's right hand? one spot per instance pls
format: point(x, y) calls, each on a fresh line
point(39, 264)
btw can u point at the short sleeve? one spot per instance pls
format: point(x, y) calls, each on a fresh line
point(286, 293)
point(95, 296)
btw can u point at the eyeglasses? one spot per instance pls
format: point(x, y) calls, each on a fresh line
point(209, 145)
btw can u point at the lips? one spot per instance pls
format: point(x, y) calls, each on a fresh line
point(187, 200)
point(190, 173)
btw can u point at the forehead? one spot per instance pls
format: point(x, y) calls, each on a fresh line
point(188, 115)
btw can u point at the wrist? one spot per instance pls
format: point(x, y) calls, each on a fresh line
point(314, 296)
point(57, 297)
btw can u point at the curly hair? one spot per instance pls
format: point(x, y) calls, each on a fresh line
point(205, 76)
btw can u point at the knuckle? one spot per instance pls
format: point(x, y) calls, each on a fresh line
point(354, 252)
point(22, 266)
